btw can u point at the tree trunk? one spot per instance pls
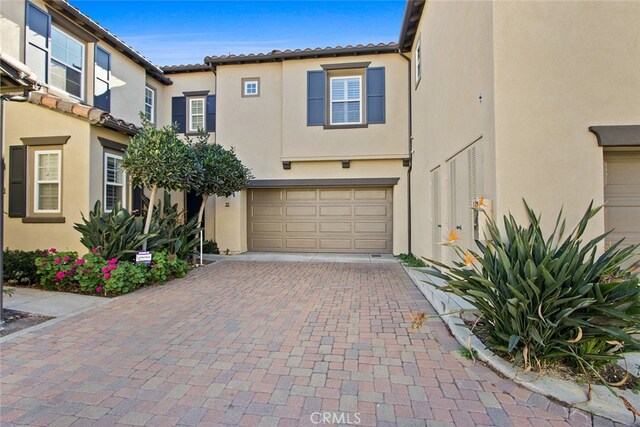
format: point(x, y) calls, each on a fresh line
point(147, 223)
point(202, 206)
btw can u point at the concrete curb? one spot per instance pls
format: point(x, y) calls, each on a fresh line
point(602, 402)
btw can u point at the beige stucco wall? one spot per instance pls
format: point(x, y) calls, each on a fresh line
point(12, 16)
point(561, 67)
point(20, 119)
point(457, 68)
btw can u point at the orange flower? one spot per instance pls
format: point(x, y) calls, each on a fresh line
point(480, 202)
point(468, 259)
point(453, 236)
point(417, 320)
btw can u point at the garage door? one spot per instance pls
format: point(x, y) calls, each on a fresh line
point(320, 220)
point(622, 196)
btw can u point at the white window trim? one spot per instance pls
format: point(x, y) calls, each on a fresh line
point(331, 101)
point(418, 61)
point(191, 115)
point(82, 71)
point(37, 182)
point(107, 183)
point(153, 102)
point(247, 83)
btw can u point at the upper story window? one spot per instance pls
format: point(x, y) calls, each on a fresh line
point(196, 114)
point(149, 103)
point(250, 87)
point(418, 61)
point(346, 100)
point(67, 63)
point(349, 95)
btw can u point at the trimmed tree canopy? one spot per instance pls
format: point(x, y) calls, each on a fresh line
point(158, 158)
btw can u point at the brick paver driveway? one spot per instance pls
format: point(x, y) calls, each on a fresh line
point(260, 344)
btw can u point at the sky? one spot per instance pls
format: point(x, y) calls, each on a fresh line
point(184, 32)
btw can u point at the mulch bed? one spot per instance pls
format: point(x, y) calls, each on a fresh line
point(15, 321)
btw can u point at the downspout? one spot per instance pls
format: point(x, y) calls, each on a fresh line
point(410, 149)
point(215, 141)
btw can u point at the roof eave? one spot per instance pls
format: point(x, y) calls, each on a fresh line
point(249, 59)
point(412, 12)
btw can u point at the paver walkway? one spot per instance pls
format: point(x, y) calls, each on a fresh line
point(260, 344)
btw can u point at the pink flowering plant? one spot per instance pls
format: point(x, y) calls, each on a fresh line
point(110, 277)
point(57, 270)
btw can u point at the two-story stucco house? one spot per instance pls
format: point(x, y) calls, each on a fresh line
point(513, 100)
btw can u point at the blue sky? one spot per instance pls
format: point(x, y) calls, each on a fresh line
point(181, 32)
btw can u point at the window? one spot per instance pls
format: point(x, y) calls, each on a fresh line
point(102, 98)
point(67, 59)
point(114, 182)
point(47, 181)
point(418, 61)
point(196, 114)
point(149, 103)
point(250, 87)
point(346, 100)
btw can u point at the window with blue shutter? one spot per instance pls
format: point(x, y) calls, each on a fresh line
point(315, 98)
point(179, 112)
point(375, 95)
point(102, 88)
point(211, 113)
point(38, 35)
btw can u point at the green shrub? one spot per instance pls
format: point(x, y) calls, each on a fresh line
point(125, 277)
point(411, 260)
point(210, 247)
point(20, 266)
point(165, 266)
point(551, 299)
point(56, 270)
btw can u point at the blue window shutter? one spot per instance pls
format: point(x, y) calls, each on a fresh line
point(315, 98)
point(38, 38)
point(375, 95)
point(211, 113)
point(179, 112)
point(102, 96)
point(17, 181)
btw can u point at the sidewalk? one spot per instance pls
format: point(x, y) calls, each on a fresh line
point(47, 303)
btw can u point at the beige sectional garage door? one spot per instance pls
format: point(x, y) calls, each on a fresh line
point(622, 196)
point(320, 220)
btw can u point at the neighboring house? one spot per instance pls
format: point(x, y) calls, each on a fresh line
point(63, 148)
point(504, 97)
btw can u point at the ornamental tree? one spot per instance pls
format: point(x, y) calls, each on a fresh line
point(156, 158)
point(223, 174)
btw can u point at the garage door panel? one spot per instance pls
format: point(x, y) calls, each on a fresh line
point(267, 244)
point(370, 227)
point(304, 243)
point(370, 194)
point(622, 197)
point(336, 194)
point(301, 210)
point(335, 227)
point(301, 227)
point(301, 195)
point(335, 210)
point(320, 220)
point(371, 210)
point(267, 227)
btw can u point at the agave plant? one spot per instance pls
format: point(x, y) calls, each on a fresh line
point(551, 299)
point(115, 234)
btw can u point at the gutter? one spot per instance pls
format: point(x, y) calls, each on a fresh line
point(410, 143)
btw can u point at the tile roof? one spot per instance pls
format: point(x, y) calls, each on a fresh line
point(88, 24)
point(280, 55)
point(15, 73)
point(93, 115)
point(185, 68)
